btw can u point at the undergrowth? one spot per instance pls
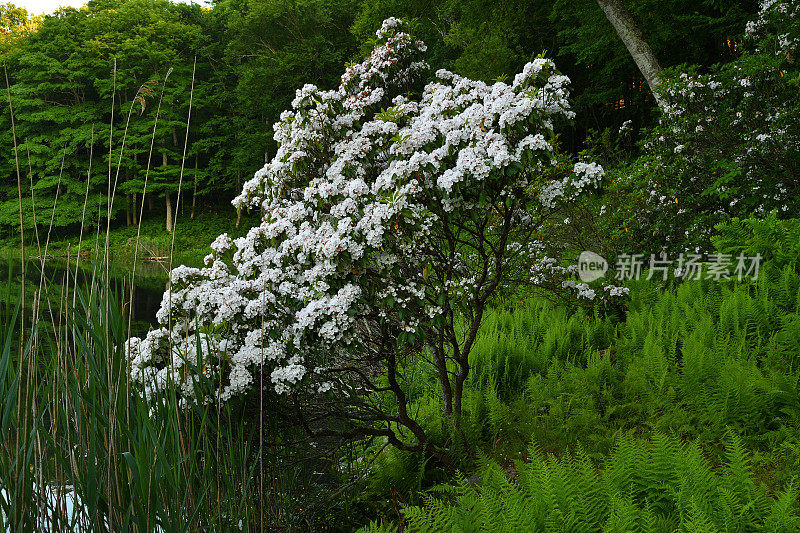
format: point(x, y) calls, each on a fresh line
point(555, 393)
point(652, 485)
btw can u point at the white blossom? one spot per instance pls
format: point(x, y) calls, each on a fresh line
point(362, 176)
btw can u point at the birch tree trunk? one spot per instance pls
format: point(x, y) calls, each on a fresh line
point(631, 36)
point(168, 198)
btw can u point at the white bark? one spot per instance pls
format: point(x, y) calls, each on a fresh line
point(168, 199)
point(631, 36)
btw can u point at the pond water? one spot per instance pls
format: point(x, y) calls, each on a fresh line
point(56, 277)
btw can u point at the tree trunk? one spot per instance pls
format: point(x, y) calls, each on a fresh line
point(168, 199)
point(631, 36)
point(135, 209)
point(127, 209)
point(437, 349)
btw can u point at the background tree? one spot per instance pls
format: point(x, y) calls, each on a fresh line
point(609, 88)
point(77, 71)
point(15, 22)
point(728, 146)
point(253, 54)
point(633, 39)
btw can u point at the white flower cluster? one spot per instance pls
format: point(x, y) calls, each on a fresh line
point(771, 25)
point(616, 291)
point(584, 176)
point(582, 289)
point(362, 176)
point(728, 139)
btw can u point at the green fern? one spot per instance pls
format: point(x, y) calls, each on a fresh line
point(645, 485)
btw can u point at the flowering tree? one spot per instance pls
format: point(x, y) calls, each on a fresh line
point(727, 144)
point(394, 213)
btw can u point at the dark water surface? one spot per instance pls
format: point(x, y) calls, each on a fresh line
point(56, 279)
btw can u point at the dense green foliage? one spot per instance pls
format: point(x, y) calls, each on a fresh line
point(581, 421)
point(646, 486)
point(727, 146)
point(776, 240)
point(677, 410)
point(683, 410)
point(88, 84)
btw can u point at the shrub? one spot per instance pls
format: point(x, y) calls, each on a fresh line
point(728, 144)
point(395, 213)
